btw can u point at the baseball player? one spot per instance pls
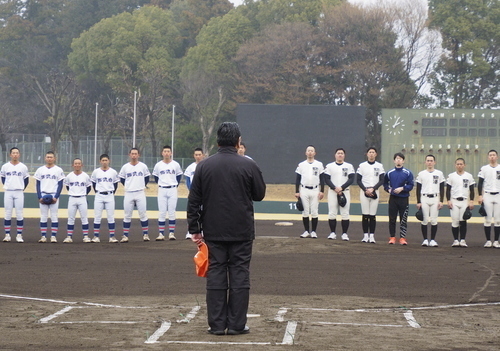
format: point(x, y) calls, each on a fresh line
point(134, 175)
point(78, 185)
point(398, 182)
point(370, 176)
point(309, 186)
point(242, 149)
point(168, 175)
point(488, 189)
point(430, 194)
point(189, 173)
point(339, 175)
point(15, 179)
point(105, 182)
point(460, 195)
point(49, 181)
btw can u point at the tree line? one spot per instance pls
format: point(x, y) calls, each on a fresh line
point(58, 58)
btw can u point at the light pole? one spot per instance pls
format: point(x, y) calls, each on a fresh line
point(173, 129)
point(95, 135)
point(135, 116)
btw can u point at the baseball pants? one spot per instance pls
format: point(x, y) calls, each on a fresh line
point(368, 206)
point(14, 199)
point(167, 202)
point(492, 208)
point(334, 207)
point(457, 211)
point(137, 199)
point(77, 204)
point(45, 209)
point(310, 200)
point(430, 209)
point(104, 202)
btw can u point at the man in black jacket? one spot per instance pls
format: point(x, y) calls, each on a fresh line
point(220, 211)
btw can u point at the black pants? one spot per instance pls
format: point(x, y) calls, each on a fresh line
point(398, 205)
point(228, 284)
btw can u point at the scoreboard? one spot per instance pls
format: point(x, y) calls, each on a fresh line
point(446, 134)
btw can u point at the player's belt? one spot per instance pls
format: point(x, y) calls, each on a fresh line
point(460, 198)
point(105, 192)
point(309, 187)
point(495, 193)
point(168, 187)
point(77, 195)
point(430, 195)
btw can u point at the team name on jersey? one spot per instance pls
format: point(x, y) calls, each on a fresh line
point(77, 184)
point(376, 171)
point(104, 180)
point(134, 174)
point(435, 179)
point(14, 174)
point(344, 172)
point(48, 176)
point(315, 171)
point(498, 175)
point(167, 171)
point(465, 183)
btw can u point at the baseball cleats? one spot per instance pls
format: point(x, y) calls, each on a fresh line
point(456, 243)
point(86, 239)
point(402, 241)
point(425, 242)
point(68, 240)
point(345, 237)
point(305, 235)
point(171, 236)
point(433, 243)
point(112, 239)
point(314, 235)
point(216, 332)
point(53, 239)
point(19, 238)
point(245, 330)
point(488, 244)
point(392, 240)
point(145, 237)
point(372, 239)
point(463, 243)
point(43, 239)
point(365, 238)
point(160, 237)
point(496, 244)
point(189, 236)
point(96, 239)
point(7, 238)
point(124, 239)
point(332, 236)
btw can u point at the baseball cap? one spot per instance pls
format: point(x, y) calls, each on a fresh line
point(47, 199)
point(201, 260)
point(299, 205)
point(420, 215)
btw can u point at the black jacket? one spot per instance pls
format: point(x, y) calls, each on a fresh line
point(221, 197)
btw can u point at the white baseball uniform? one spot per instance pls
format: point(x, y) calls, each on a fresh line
point(430, 194)
point(460, 195)
point(339, 175)
point(49, 179)
point(15, 175)
point(491, 193)
point(77, 190)
point(167, 174)
point(370, 172)
point(134, 190)
point(189, 172)
point(104, 181)
point(310, 173)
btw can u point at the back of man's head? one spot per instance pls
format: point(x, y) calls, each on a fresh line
point(228, 134)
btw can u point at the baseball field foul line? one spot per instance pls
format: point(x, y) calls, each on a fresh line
point(165, 326)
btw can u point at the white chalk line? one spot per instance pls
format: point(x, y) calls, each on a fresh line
point(217, 343)
point(165, 326)
point(190, 315)
point(289, 336)
point(280, 315)
point(54, 315)
point(411, 320)
point(359, 324)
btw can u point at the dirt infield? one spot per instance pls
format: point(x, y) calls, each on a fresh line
point(306, 294)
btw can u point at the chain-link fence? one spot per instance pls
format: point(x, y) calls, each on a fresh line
point(34, 146)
